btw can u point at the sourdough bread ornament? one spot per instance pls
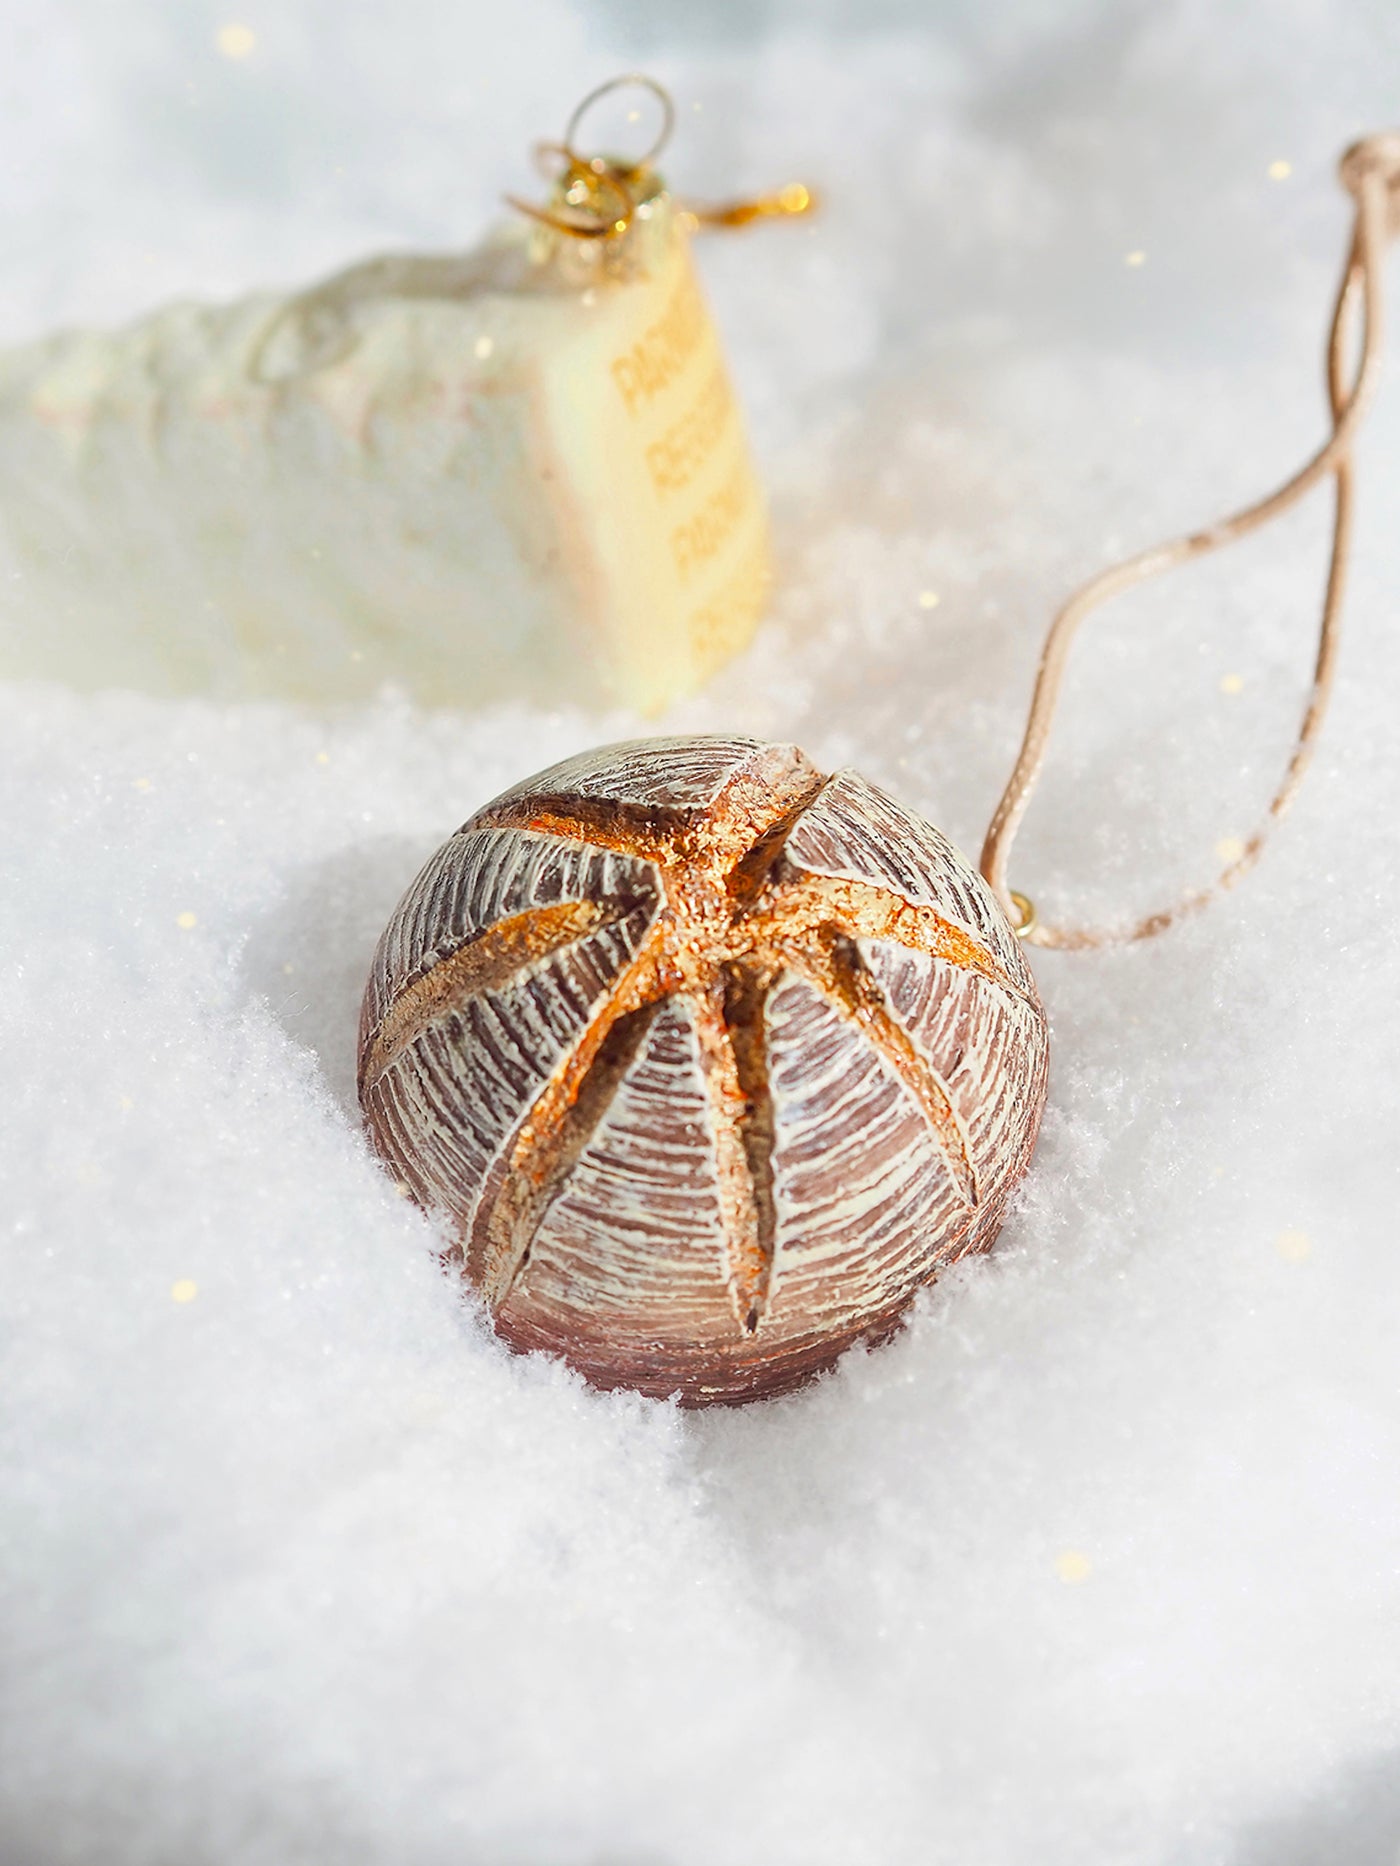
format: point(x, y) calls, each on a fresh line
point(521, 470)
point(712, 1061)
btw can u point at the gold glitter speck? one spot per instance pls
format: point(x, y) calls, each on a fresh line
point(184, 1290)
point(1229, 848)
point(1136, 258)
point(1072, 1567)
point(1293, 1246)
point(1280, 170)
point(186, 920)
point(1231, 684)
point(928, 599)
point(235, 40)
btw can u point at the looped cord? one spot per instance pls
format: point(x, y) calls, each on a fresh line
point(1370, 171)
point(596, 197)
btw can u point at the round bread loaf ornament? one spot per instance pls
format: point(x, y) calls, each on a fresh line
point(713, 1061)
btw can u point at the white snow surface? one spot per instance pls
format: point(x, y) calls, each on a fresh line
point(1100, 1561)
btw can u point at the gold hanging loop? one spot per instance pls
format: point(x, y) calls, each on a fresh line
point(640, 81)
point(596, 197)
point(1370, 171)
point(1027, 919)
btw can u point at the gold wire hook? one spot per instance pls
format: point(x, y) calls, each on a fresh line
point(600, 188)
point(596, 196)
point(642, 82)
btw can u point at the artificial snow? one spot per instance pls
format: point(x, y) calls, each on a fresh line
point(1100, 1560)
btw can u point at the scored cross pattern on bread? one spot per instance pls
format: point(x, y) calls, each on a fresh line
point(712, 1061)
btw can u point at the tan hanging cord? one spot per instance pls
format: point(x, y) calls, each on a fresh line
point(1370, 171)
point(596, 197)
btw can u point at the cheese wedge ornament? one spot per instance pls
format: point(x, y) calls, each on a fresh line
point(519, 471)
point(710, 1060)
